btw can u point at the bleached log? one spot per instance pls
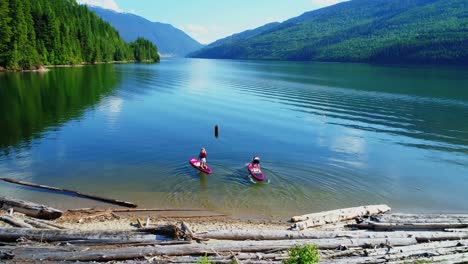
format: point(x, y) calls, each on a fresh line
point(416, 247)
point(409, 252)
point(38, 224)
point(208, 248)
point(137, 210)
point(446, 259)
point(29, 208)
point(424, 216)
point(407, 226)
point(260, 256)
point(395, 218)
point(15, 222)
point(218, 260)
point(241, 257)
point(310, 234)
point(79, 194)
point(45, 222)
point(335, 216)
point(51, 235)
point(139, 223)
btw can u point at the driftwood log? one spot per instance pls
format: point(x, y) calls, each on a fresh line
point(201, 249)
point(335, 216)
point(407, 226)
point(38, 224)
point(15, 222)
point(137, 210)
point(391, 254)
point(408, 219)
point(44, 222)
point(291, 235)
point(51, 235)
point(80, 194)
point(29, 208)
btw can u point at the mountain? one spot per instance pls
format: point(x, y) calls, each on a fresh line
point(34, 33)
point(382, 31)
point(242, 36)
point(170, 40)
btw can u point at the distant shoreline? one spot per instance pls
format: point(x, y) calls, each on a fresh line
point(46, 68)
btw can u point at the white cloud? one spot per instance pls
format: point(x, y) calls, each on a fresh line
point(322, 3)
point(271, 19)
point(107, 4)
point(201, 33)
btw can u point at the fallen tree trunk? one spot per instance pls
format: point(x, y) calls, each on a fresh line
point(29, 208)
point(202, 249)
point(289, 235)
point(414, 248)
point(335, 216)
point(426, 216)
point(407, 226)
point(83, 195)
point(240, 258)
point(136, 210)
point(391, 218)
point(53, 235)
point(48, 223)
point(412, 252)
point(38, 224)
point(453, 258)
point(15, 222)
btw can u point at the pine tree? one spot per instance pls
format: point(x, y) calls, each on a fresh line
point(5, 31)
point(59, 32)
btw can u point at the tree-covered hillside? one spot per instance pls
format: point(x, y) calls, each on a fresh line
point(38, 32)
point(243, 35)
point(384, 31)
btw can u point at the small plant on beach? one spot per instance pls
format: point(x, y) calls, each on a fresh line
point(204, 260)
point(306, 254)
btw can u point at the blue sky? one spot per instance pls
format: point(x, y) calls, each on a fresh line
point(209, 20)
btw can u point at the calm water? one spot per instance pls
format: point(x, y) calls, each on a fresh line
point(329, 135)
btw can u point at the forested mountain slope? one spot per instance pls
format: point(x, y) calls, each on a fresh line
point(384, 31)
point(38, 32)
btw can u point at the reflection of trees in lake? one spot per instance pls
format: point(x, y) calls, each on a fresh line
point(33, 103)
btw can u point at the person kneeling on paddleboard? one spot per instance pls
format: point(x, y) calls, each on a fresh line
point(202, 158)
point(256, 162)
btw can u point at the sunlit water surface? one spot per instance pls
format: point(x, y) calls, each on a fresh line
point(330, 135)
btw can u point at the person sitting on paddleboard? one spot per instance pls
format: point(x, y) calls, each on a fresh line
point(256, 162)
point(202, 158)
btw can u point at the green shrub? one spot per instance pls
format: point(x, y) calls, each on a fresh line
point(306, 254)
point(204, 260)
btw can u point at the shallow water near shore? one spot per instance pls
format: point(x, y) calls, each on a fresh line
point(330, 135)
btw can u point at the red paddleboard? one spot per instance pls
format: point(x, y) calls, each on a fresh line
point(256, 172)
point(196, 164)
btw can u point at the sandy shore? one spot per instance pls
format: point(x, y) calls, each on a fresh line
point(124, 221)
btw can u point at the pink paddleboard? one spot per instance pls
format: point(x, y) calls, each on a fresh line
point(196, 164)
point(256, 172)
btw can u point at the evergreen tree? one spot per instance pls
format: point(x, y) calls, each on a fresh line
point(5, 31)
point(61, 32)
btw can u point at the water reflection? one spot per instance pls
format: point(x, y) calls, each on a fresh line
point(31, 104)
point(330, 135)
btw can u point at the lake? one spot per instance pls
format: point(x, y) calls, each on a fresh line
point(330, 135)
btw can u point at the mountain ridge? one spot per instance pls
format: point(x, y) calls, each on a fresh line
point(380, 31)
point(170, 40)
